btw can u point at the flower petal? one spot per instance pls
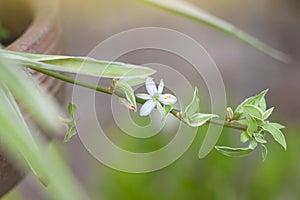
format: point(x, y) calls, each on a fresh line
point(147, 107)
point(160, 87)
point(144, 96)
point(160, 108)
point(151, 87)
point(167, 99)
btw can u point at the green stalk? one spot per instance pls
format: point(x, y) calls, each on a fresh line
point(108, 90)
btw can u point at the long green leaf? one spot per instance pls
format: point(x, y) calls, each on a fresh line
point(134, 81)
point(13, 133)
point(7, 100)
point(190, 11)
point(36, 103)
point(78, 65)
point(63, 185)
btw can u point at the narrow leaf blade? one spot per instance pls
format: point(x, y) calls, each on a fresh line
point(7, 100)
point(71, 132)
point(39, 106)
point(277, 125)
point(15, 140)
point(192, 12)
point(253, 110)
point(259, 138)
point(244, 137)
point(264, 152)
point(276, 133)
point(252, 144)
point(252, 124)
point(262, 104)
point(127, 89)
point(267, 113)
point(254, 100)
point(233, 152)
point(134, 81)
point(78, 65)
point(193, 107)
point(198, 119)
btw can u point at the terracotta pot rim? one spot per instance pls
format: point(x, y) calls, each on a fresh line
point(44, 19)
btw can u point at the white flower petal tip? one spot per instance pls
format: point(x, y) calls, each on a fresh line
point(144, 96)
point(147, 107)
point(167, 99)
point(160, 87)
point(151, 87)
point(160, 109)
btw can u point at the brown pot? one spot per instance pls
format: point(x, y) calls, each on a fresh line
point(34, 28)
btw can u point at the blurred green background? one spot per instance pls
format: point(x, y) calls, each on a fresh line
point(245, 72)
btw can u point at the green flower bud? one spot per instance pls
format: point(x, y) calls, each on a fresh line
point(229, 113)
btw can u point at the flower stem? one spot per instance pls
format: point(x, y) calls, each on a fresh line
point(177, 114)
point(229, 125)
point(108, 90)
point(73, 81)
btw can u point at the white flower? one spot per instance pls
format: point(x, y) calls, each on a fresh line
point(155, 97)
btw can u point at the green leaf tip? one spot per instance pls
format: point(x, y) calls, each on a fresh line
point(253, 113)
point(244, 137)
point(192, 12)
point(234, 152)
point(268, 113)
point(274, 130)
point(264, 152)
point(71, 132)
point(229, 114)
point(71, 109)
point(193, 106)
point(252, 144)
point(260, 137)
point(70, 123)
point(130, 101)
point(255, 101)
